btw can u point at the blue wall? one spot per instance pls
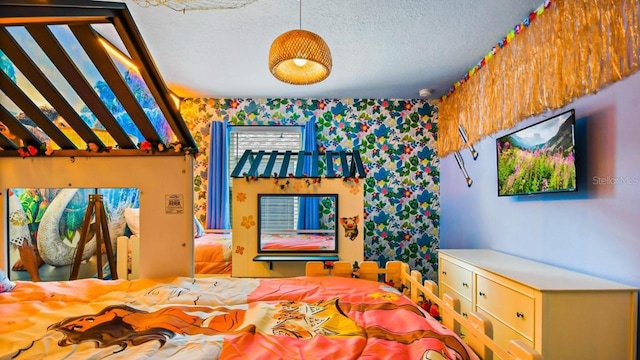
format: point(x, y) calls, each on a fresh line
point(595, 230)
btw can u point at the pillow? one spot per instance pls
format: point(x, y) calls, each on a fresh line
point(132, 217)
point(198, 229)
point(5, 284)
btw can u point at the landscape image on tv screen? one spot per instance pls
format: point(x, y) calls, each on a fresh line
point(539, 158)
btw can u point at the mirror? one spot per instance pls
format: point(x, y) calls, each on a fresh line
point(297, 223)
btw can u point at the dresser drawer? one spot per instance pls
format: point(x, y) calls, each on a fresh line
point(465, 306)
point(456, 277)
point(512, 307)
point(502, 333)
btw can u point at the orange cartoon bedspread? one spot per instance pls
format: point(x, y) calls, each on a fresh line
point(219, 318)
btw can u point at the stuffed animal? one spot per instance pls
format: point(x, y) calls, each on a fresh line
point(350, 225)
point(356, 271)
point(429, 307)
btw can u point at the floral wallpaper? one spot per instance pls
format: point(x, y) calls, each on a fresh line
point(396, 139)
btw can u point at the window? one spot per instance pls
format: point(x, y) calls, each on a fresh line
point(282, 214)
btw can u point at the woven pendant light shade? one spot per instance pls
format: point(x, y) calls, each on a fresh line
point(300, 45)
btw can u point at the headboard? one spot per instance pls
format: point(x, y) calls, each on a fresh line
point(338, 173)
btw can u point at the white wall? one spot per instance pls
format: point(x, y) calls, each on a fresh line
point(166, 242)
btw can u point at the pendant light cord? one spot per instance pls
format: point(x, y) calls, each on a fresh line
point(300, 7)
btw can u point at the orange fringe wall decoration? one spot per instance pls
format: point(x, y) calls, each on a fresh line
point(573, 49)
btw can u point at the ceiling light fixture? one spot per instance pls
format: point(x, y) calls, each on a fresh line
point(300, 57)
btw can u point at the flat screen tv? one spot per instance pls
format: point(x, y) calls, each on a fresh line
point(539, 158)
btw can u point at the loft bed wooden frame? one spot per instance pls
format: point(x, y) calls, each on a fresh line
point(400, 275)
point(24, 161)
point(35, 16)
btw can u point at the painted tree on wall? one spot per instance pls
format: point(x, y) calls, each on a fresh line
point(396, 139)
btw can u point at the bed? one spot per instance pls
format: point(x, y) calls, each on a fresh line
point(308, 317)
point(212, 253)
point(212, 248)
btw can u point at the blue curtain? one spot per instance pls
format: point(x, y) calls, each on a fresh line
point(218, 188)
point(309, 211)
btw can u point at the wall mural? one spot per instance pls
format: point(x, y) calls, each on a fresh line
point(53, 219)
point(396, 139)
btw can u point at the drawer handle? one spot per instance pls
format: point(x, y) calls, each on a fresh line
point(520, 315)
point(465, 284)
point(444, 273)
point(465, 315)
point(482, 294)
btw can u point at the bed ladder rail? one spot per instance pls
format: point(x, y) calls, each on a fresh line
point(368, 270)
point(128, 257)
point(477, 328)
point(483, 324)
point(453, 304)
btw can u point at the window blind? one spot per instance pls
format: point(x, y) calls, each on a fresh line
point(280, 213)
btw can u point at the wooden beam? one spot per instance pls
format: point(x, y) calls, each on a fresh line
point(89, 41)
point(50, 45)
point(314, 164)
point(253, 171)
point(270, 163)
point(355, 158)
point(17, 128)
point(85, 153)
point(344, 164)
point(130, 36)
point(33, 112)
point(329, 163)
point(240, 164)
point(30, 70)
point(285, 164)
point(65, 11)
point(20, 21)
point(6, 143)
point(300, 165)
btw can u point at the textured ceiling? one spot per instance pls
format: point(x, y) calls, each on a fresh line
point(382, 49)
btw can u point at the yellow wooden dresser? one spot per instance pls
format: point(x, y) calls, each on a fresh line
point(561, 313)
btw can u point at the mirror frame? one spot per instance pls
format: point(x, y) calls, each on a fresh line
point(335, 232)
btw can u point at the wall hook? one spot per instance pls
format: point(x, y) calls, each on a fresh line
point(465, 138)
point(462, 168)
